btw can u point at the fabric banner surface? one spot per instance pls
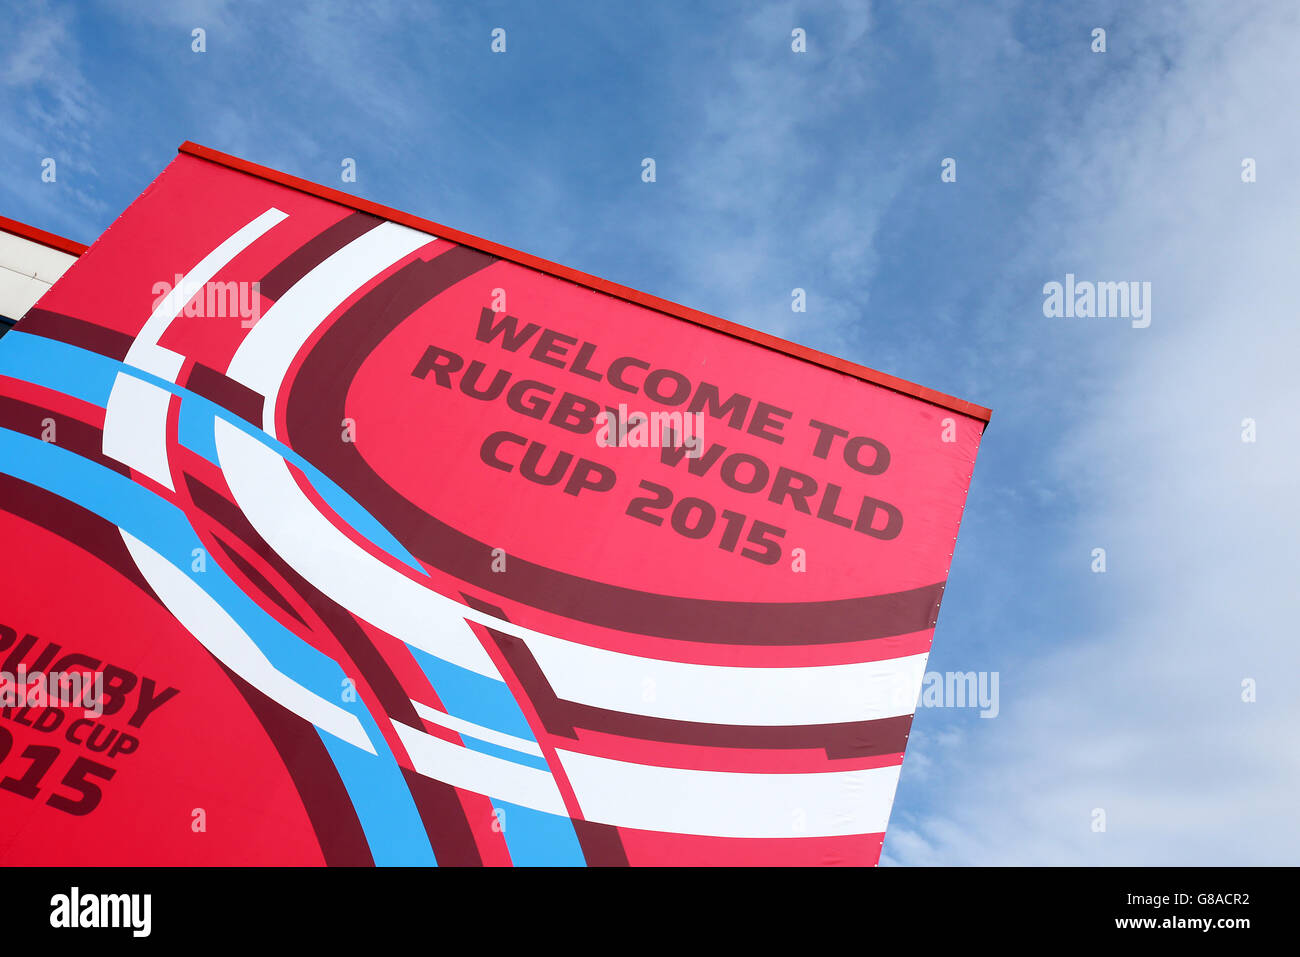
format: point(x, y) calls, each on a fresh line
point(332, 540)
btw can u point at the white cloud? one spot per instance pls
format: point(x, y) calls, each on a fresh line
point(1144, 718)
point(48, 110)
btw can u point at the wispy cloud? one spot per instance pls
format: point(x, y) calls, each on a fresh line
point(1141, 714)
point(48, 110)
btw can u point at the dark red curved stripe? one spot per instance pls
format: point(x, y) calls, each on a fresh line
point(394, 700)
point(70, 433)
point(316, 404)
point(75, 332)
point(314, 252)
point(325, 798)
point(441, 812)
point(226, 392)
point(258, 579)
point(444, 821)
point(853, 739)
point(601, 844)
point(328, 806)
point(74, 524)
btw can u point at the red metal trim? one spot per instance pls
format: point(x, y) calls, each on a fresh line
point(593, 282)
point(69, 246)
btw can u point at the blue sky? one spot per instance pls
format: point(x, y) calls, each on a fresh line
point(1119, 691)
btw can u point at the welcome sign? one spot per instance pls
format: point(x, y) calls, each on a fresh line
point(338, 537)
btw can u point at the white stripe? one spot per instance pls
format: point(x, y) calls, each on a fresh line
point(267, 494)
point(490, 735)
point(263, 359)
point(719, 694)
point(481, 773)
point(204, 618)
point(730, 803)
point(135, 427)
point(145, 353)
point(406, 609)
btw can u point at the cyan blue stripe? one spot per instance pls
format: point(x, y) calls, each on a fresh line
point(379, 793)
point(197, 431)
point(537, 839)
point(381, 796)
point(165, 529)
point(507, 754)
point(474, 697)
point(86, 375)
point(89, 376)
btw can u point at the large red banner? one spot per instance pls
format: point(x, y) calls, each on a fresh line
point(335, 537)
